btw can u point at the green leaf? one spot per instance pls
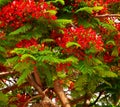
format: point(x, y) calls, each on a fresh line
point(13, 106)
point(24, 76)
point(61, 74)
point(111, 42)
point(90, 9)
point(47, 40)
point(63, 22)
point(27, 56)
point(97, 61)
point(97, 8)
point(2, 49)
point(13, 60)
point(71, 59)
point(104, 81)
point(91, 50)
point(20, 50)
point(106, 25)
point(3, 98)
point(4, 2)
point(52, 12)
point(87, 9)
point(84, 67)
point(69, 44)
point(102, 71)
point(115, 52)
point(60, 1)
point(22, 29)
point(49, 77)
point(81, 83)
point(49, 57)
point(2, 59)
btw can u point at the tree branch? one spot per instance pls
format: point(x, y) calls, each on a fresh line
point(25, 104)
point(87, 100)
point(45, 100)
point(5, 90)
point(34, 84)
point(100, 93)
point(107, 15)
point(75, 101)
point(7, 73)
point(59, 91)
point(37, 78)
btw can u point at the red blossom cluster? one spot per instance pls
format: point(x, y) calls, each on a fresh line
point(108, 58)
point(21, 99)
point(18, 12)
point(111, 1)
point(117, 26)
point(77, 52)
point(117, 41)
point(62, 67)
point(84, 37)
point(27, 43)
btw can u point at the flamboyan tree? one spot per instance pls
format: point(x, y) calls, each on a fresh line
point(59, 53)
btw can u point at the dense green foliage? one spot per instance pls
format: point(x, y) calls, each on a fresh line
point(75, 43)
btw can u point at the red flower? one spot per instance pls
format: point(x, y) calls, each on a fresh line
point(108, 58)
point(26, 43)
point(18, 12)
point(84, 37)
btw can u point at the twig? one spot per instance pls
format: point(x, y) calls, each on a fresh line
point(5, 90)
point(7, 73)
point(45, 99)
point(75, 101)
point(107, 15)
point(97, 99)
point(87, 100)
point(34, 84)
point(4, 82)
point(37, 78)
point(25, 104)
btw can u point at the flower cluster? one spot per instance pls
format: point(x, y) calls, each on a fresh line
point(18, 12)
point(117, 41)
point(108, 58)
point(111, 1)
point(84, 37)
point(62, 67)
point(27, 43)
point(117, 25)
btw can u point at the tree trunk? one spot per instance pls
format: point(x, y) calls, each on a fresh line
point(59, 91)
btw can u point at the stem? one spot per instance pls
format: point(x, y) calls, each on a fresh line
point(97, 98)
point(87, 101)
point(5, 90)
point(7, 73)
point(59, 91)
point(37, 78)
point(34, 84)
point(75, 101)
point(37, 96)
point(46, 102)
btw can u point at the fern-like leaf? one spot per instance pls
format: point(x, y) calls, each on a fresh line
point(69, 44)
point(23, 77)
point(22, 29)
point(90, 9)
point(4, 2)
